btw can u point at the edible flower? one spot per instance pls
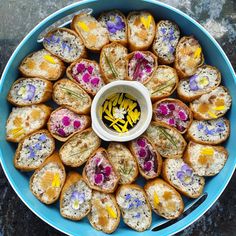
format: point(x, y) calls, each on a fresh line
point(115, 24)
point(77, 198)
point(27, 91)
point(197, 82)
point(185, 175)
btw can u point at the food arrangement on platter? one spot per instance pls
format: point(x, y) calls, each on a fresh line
point(179, 148)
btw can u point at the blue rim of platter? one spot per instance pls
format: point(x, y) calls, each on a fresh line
point(170, 230)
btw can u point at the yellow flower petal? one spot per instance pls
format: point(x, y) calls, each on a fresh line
point(156, 200)
point(211, 114)
point(83, 26)
point(207, 151)
point(197, 52)
point(49, 58)
point(129, 120)
point(117, 128)
point(109, 114)
point(219, 108)
point(105, 105)
point(56, 180)
point(120, 99)
point(111, 212)
point(146, 21)
point(108, 118)
point(100, 112)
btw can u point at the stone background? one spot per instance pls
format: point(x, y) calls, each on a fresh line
point(18, 17)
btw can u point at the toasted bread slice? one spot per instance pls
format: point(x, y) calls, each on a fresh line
point(92, 32)
point(99, 172)
point(174, 113)
point(105, 213)
point(75, 199)
point(162, 83)
point(134, 206)
point(70, 95)
point(182, 177)
point(79, 148)
point(113, 62)
point(148, 159)
point(123, 161)
point(205, 79)
point(116, 24)
point(188, 56)
point(29, 91)
point(141, 66)
point(65, 44)
point(209, 132)
point(141, 30)
point(87, 74)
point(23, 121)
point(212, 105)
point(33, 150)
point(63, 123)
point(42, 64)
point(166, 40)
point(168, 141)
point(164, 199)
point(47, 181)
point(206, 160)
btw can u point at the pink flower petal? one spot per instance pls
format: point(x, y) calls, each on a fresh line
point(141, 142)
point(95, 81)
point(171, 106)
point(171, 121)
point(80, 68)
point(148, 166)
point(86, 77)
point(163, 109)
point(90, 70)
point(182, 115)
point(61, 132)
point(66, 121)
point(138, 55)
point(77, 124)
point(148, 69)
point(98, 179)
point(107, 170)
point(142, 152)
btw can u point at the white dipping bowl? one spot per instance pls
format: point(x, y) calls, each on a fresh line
point(138, 91)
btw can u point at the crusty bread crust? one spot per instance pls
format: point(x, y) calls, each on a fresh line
point(47, 93)
point(166, 178)
point(72, 178)
point(181, 104)
point(118, 217)
point(77, 136)
point(158, 159)
point(136, 187)
point(97, 187)
point(88, 122)
point(124, 42)
point(73, 27)
point(180, 72)
point(189, 136)
point(78, 108)
point(156, 210)
point(83, 54)
point(17, 153)
point(55, 159)
point(26, 74)
point(131, 43)
point(187, 98)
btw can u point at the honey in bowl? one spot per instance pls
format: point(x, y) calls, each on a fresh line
point(120, 112)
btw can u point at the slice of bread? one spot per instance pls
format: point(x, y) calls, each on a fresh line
point(134, 206)
point(148, 159)
point(168, 141)
point(174, 113)
point(141, 30)
point(23, 121)
point(182, 177)
point(29, 91)
point(33, 150)
point(105, 213)
point(123, 161)
point(42, 64)
point(92, 32)
point(140, 66)
point(47, 181)
point(205, 79)
point(162, 83)
point(113, 62)
point(65, 44)
point(166, 39)
point(70, 95)
point(206, 160)
point(116, 24)
point(87, 74)
point(99, 172)
point(63, 123)
point(79, 148)
point(164, 199)
point(209, 132)
point(75, 199)
point(212, 105)
point(188, 57)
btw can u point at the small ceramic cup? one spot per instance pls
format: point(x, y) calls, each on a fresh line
point(133, 88)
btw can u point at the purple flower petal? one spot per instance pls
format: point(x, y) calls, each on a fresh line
point(220, 123)
point(180, 175)
point(86, 77)
point(171, 121)
point(141, 142)
point(30, 91)
point(171, 49)
point(66, 121)
point(90, 70)
point(37, 146)
point(163, 30)
point(171, 106)
point(148, 166)
point(61, 132)
point(142, 152)
point(80, 68)
point(77, 124)
point(95, 81)
point(185, 167)
point(193, 84)
point(98, 179)
point(138, 55)
point(32, 152)
point(163, 109)
point(148, 69)
point(182, 115)
point(200, 126)
point(42, 137)
point(127, 196)
point(107, 170)
point(209, 132)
